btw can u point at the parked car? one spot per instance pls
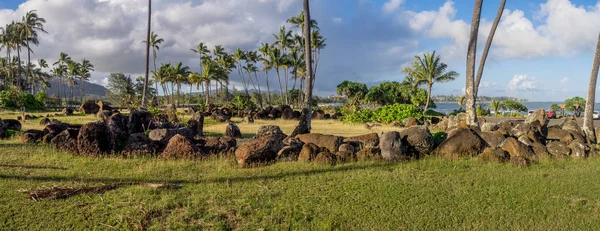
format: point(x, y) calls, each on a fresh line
point(596, 115)
point(551, 114)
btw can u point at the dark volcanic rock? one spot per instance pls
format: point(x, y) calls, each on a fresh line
point(94, 140)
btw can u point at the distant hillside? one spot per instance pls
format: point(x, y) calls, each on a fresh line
point(91, 89)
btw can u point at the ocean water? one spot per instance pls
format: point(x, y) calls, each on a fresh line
point(446, 107)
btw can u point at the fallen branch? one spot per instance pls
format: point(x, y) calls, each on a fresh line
point(54, 193)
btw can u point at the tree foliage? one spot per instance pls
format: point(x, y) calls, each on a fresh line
point(514, 106)
point(354, 91)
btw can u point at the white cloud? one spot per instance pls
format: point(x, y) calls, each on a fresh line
point(564, 80)
point(565, 29)
point(486, 84)
point(523, 83)
point(391, 5)
point(337, 20)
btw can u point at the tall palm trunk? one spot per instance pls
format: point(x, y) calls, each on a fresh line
point(268, 88)
point(145, 89)
point(207, 92)
point(287, 101)
point(309, 70)
point(82, 89)
point(18, 66)
point(428, 97)
point(488, 44)
point(588, 123)
point(470, 71)
point(260, 100)
point(280, 86)
point(28, 60)
point(300, 94)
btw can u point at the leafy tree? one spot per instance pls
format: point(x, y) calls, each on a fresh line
point(138, 88)
point(495, 106)
point(155, 42)
point(121, 90)
point(32, 24)
point(554, 107)
point(574, 105)
point(514, 106)
point(84, 74)
point(428, 70)
point(354, 91)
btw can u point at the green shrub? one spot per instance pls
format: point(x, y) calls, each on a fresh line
point(481, 111)
point(14, 99)
point(387, 114)
point(439, 136)
point(456, 112)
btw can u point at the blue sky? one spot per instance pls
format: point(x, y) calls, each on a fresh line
point(543, 50)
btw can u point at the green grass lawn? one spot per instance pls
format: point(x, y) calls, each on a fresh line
point(216, 194)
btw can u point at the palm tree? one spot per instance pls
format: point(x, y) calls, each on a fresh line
point(495, 106)
point(318, 43)
point(147, 55)
point(251, 68)
point(298, 21)
point(267, 64)
point(278, 61)
point(84, 74)
point(179, 75)
point(588, 123)
point(60, 70)
point(461, 101)
point(155, 41)
point(240, 55)
point(296, 61)
point(470, 71)
point(488, 44)
point(32, 23)
point(428, 70)
point(74, 68)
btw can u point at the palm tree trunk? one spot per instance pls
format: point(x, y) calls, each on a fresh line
point(588, 123)
point(309, 70)
point(287, 101)
point(268, 88)
point(207, 92)
point(190, 96)
point(19, 67)
point(28, 60)
point(280, 86)
point(82, 90)
point(300, 94)
point(470, 71)
point(488, 44)
point(260, 100)
point(145, 89)
point(428, 98)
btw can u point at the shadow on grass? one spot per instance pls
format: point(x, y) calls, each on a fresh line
point(32, 167)
point(204, 181)
point(17, 145)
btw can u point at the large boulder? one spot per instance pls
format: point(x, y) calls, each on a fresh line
point(104, 106)
point(417, 139)
point(67, 111)
point(532, 130)
point(578, 149)
point(139, 145)
point(558, 149)
point(318, 115)
point(540, 116)
point(46, 139)
point(410, 121)
point(171, 112)
point(290, 152)
point(220, 146)
point(55, 128)
point(94, 140)
point(460, 119)
point(262, 150)
point(489, 127)
point(180, 147)
point(66, 140)
point(557, 134)
point(369, 154)
point(196, 123)
point(89, 107)
point(140, 121)
point(302, 127)
point(45, 121)
point(119, 132)
point(164, 135)
point(505, 126)
point(370, 140)
point(232, 130)
point(30, 136)
point(220, 116)
point(269, 130)
point(391, 147)
point(494, 154)
point(287, 114)
point(516, 148)
point(326, 158)
point(492, 139)
point(330, 142)
point(308, 152)
point(461, 142)
point(12, 124)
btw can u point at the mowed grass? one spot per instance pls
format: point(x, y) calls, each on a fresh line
point(216, 194)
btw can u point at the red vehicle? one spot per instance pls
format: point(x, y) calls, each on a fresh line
point(551, 114)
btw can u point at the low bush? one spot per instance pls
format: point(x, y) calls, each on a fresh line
point(387, 114)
